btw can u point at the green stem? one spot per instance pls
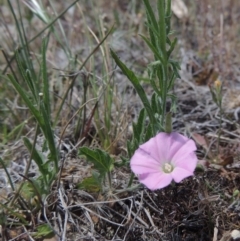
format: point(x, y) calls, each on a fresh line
point(130, 180)
point(162, 28)
point(109, 180)
point(220, 123)
point(128, 189)
point(162, 46)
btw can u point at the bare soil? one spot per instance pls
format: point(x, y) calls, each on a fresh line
point(205, 207)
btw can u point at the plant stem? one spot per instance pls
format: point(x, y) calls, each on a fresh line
point(162, 45)
point(130, 180)
point(109, 180)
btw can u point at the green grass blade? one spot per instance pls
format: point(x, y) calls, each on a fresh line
point(139, 127)
point(42, 119)
point(46, 98)
point(150, 14)
point(8, 175)
point(27, 101)
point(134, 80)
point(22, 36)
point(151, 24)
point(26, 75)
point(49, 135)
point(37, 158)
point(42, 31)
point(16, 22)
point(13, 213)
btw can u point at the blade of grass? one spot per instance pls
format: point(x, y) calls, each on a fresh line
point(42, 31)
point(46, 98)
point(65, 127)
point(37, 158)
point(75, 77)
point(134, 80)
point(14, 213)
point(8, 175)
point(43, 120)
point(28, 102)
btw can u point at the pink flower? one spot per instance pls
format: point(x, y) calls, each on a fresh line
point(165, 157)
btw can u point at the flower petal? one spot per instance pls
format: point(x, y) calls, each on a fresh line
point(186, 157)
point(169, 144)
point(163, 143)
point(155, 181)
point(187, 147)
point(172, 148)
point(142, 162)
point(151, 147)
point(178, 174)
point(187, 162)
point(176, 141)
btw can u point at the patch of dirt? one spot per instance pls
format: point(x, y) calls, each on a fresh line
point(190, 210)
point(199, 208)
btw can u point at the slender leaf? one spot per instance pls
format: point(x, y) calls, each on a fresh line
point(149, 133)
point(155, 104)
point(24, 75)
point(37, 157)
point(13, 213)
point(8, 175)
point(173, 44)
point(168, 15)
point(42, 31)
point(151, 33)
point(138, 128)
point(150, 13)
point(134, 80)
point(153, 48)
point(49, 135)
point(29, 104)
point(46, 98)
point(43, 120)
point(162, 29)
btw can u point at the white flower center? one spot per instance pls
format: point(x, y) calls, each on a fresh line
point(167, 168)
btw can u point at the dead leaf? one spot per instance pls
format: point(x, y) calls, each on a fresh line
point(224, 159)
point(200, 140)
point(180, 9)
point(95, 218)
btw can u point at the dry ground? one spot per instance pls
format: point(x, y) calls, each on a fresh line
point(204, 207)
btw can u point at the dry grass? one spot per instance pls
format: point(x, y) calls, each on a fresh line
point(200, 208)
